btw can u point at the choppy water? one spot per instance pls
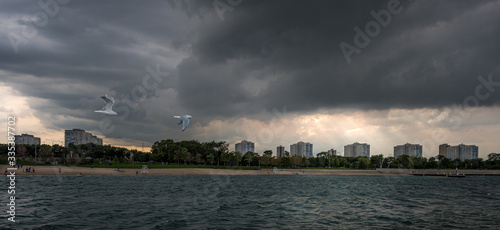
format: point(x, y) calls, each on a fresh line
point(256, 202)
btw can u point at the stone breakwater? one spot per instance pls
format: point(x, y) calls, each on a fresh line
point(438, 171)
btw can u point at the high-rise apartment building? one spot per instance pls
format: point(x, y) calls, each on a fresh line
point(413, 150)
point(280, 151)
point(332, 152)
point(442, 149)
point(357, 150)
point(462, 152)
point(80, 137)
point(303, 149)
point(244, 147)
point(26, 139)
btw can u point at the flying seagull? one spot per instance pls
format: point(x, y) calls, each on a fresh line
point(185, 119)
point(108, 108)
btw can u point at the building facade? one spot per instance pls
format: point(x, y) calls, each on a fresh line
point(303, 149)
point(357, 150)
point(80, 137)
point(26, 139)
point(332, 152)
point(462, 152)
point(244, 147)
point(280, 151)
point(442, 149)
point(413, 150)
point(308, 149)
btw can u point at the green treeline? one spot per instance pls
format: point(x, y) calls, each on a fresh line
point(74, 155)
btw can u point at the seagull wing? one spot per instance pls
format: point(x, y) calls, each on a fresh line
point(109, 102)
point(185, 123)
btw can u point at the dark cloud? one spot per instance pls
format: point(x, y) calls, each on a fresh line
point(428, 56)
point(264, 55)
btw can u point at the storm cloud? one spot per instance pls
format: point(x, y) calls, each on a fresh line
point(243, 62)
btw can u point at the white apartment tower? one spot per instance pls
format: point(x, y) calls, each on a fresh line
point(462, 152)
point(303, 149)
point(26, 139)
point(357, 150)
point(413, 150)
point(80, 137)
point(244, 147)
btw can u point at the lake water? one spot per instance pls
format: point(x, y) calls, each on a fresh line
point(255, 202)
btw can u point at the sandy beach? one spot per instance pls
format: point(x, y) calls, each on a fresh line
point(72, 170)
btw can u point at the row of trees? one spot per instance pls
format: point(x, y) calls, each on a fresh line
point(72, 152)
point(191, 152)
point(216, 153)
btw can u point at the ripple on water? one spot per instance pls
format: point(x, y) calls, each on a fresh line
point(275, 202)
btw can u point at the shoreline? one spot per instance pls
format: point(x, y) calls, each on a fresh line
point(74, 170)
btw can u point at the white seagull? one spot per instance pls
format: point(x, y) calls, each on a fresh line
point(185, 119)
point(108, 108)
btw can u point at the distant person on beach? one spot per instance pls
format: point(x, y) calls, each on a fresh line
point(59, 170)
point(136, 172)
point(33, 169)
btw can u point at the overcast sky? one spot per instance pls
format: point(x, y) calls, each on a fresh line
point(273, 71)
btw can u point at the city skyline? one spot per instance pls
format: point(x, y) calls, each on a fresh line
point(460, 151)
point(271, 74)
